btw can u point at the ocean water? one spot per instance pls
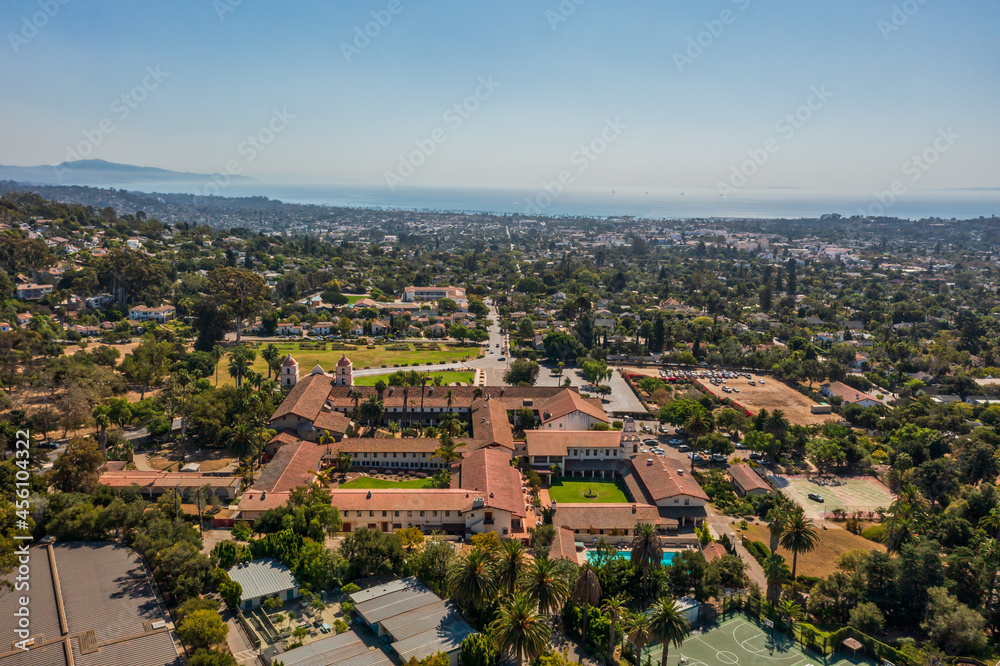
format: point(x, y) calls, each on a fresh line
point(665, 203)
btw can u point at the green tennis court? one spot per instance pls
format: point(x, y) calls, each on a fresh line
point(740, 642)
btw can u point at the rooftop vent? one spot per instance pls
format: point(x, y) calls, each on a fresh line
point(369, 495)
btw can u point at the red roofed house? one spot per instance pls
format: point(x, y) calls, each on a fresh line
point(746, 481)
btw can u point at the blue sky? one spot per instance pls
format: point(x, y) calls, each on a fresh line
point(227, 66)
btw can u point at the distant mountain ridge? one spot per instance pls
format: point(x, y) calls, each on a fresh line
point(101, 173)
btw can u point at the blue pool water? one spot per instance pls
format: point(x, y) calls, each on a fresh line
point(667, 558)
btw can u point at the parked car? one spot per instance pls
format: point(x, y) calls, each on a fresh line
point(683, 447)
point(676, 441)
point(815, 497)
point(718, 457)
point(650, 442)
point(755, 456)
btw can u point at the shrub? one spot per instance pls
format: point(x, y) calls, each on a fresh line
point(875, 533)
point(868, 618)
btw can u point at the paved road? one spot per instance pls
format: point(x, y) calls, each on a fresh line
point(621, 399)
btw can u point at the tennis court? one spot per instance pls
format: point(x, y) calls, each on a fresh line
point(740, 642)
point(852, 494)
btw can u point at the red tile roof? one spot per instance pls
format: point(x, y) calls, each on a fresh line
point(747, 479)
point(662, 481)
point(306, 398)
point(556, 443)
point(713, 551)
point(604, 516)
point(288, 469)
point(567, 402)
point(487, 473)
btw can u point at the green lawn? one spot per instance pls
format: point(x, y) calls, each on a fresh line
point(368, 482)
point(571, 491)
point(354, 298)
point(361, 358)
point(446, 377)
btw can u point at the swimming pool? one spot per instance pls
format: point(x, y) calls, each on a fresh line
point(665, 560)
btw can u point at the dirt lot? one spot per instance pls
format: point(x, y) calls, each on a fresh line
point(822, 561)
point(771, 395)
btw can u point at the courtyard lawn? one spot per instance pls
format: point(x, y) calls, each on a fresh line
point(366, 482)
point(354, 298)
point(363, 357)
point(572, 491)
point(446, 378)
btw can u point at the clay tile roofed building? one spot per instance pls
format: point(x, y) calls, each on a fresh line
point(713, 551)
point(559, 443)
point(489, 473)
point(665, 481)
point(746, 481)
point(569, 410)
point(288, 469)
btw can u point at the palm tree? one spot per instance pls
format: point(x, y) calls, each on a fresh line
point(380, 387)
point(446, 449)
point(102, 420)
point(424, 378)
point(791, 611)
point(587, 591)
point(472, 579)
point(668, 624)
point(698, 425)
point(406, 401)
point(776, 526)
point(991, 522)
point(217, 353)
point(614, 607)
point(512, 558)
point(241, 440)
point(271, 354)
point(520, 630)
point(547, 583)
point(449, 395)
point(907, 509)
point(799, 536)
point(777, 424)
point(776, 572)
point(371, 410)
point(639, 630)
point(451, 424)
point(325, 477)
point(647, 551)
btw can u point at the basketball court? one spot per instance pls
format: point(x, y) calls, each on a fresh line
point(740, 642)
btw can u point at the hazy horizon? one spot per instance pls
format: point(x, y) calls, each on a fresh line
point(573, 95)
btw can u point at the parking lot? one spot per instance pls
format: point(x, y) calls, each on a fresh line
point(763, 393)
